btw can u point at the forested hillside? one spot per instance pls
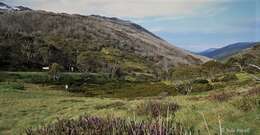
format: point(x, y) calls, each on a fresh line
point(33, 39)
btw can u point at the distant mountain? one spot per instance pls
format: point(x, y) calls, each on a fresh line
point(207, 51)
point(6, 7)
point(3, 6)
point(30, 38)
point(227, 51)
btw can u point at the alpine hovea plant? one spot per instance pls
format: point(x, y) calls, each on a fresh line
point(112, 126)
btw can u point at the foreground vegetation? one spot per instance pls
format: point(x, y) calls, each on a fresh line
point(234, 105)
point(109, 76)
point(212, 98)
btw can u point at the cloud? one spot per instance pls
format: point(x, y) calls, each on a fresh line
point(125, 8)
point(206, 27)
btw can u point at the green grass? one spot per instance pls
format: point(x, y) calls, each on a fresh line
point(128, 90)
point(37, 105)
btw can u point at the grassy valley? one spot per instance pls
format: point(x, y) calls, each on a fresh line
point(26, 104)
point(69, 74)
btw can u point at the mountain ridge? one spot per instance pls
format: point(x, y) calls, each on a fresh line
point(4, 6)
point(39, 38)
point(228, 50)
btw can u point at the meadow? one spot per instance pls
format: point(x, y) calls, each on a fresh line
point(232, 107)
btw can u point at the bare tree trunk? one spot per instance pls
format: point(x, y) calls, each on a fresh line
point(240, 67)
point(255, 66)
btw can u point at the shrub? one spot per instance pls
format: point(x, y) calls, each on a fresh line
point(247, 103)
point(193, 86)
point(112, 126)
point(225, 78)
point(70, 79)
point(219, 85)
point(201, 87)
point(184, 88)
point(254, 91)
point(221, 97)
point(38, 79)
point(156, 108)
point(201, 81)
point(75, 88)
point(229, 77)
point(129, 79)
point(97, 78)
point(214, 80)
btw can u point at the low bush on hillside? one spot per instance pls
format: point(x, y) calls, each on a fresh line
point(201, 87)
point(96, 78)
point(229, 77)
point(112, 126)
point(226, 78)
point(201, 81)
point(189, 87)
point(157, 108)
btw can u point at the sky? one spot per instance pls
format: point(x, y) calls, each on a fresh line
point(194, 25)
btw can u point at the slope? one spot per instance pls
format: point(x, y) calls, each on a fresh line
point(32, 39)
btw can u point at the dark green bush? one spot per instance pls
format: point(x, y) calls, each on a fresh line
point(201, 81)
point(201, 87)
point(97, 78)
point(75, 88)
point(70, 79)
point(37, 79)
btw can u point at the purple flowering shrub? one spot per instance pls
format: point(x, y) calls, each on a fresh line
point(112, 126)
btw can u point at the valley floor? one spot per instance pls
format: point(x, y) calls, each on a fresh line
point(39, 105)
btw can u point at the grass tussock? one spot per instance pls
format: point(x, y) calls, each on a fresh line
point(254, 91)
point(247, 103)
point(221, 97)
point(112, 126)
point(157, 108)
point(115, 105)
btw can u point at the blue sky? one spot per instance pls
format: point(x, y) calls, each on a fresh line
point(194, 25)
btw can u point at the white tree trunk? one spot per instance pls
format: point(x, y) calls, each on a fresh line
point(255, 66)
